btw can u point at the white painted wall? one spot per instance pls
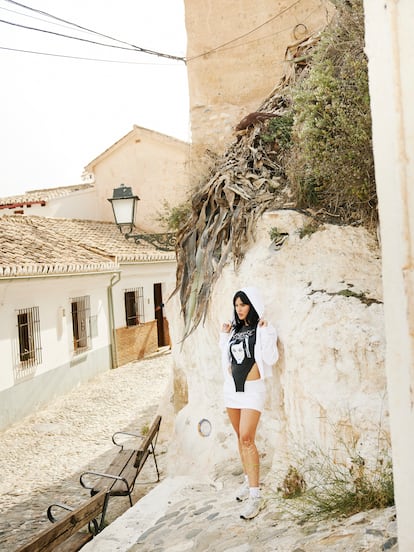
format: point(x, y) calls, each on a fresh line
point(390, 49)
point(60, 368)
point(76, 205)
point(143, 275)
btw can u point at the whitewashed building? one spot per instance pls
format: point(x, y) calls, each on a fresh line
point(77, 201)
point(76, 299)
point(154, 165)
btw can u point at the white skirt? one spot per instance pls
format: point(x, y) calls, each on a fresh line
point(253, 396)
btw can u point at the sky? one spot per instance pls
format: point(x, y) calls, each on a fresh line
point(58, 113)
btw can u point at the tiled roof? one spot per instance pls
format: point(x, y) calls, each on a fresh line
point(105, 237)
point(36, 196)
point(39, 245)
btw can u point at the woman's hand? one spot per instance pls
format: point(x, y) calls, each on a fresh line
point(262, 322)
point(226, 327)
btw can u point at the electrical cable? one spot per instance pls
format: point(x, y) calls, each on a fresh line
point(37, 18)
point(131, 46)
point(83, 58)
point(142, 50)
point(279, 62)
point(138, 48)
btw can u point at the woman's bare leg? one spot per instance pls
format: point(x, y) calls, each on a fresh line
point(248, 422)
point(234, 416)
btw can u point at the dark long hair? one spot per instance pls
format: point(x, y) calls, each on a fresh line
point(252, 318)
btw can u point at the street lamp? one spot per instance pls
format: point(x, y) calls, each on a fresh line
point(123, 205)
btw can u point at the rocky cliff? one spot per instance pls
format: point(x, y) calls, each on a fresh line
point(322, 289)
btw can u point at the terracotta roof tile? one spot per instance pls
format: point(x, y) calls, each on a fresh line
point(38, 245)
point(44, 195)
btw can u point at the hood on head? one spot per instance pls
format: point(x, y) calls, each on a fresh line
point(255, 298)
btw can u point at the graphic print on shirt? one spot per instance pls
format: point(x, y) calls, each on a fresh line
point(237, 351)
point(241, 345)
point(242, 355)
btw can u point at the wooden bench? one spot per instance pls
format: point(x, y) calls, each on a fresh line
point(74, 530)
point(120, 476)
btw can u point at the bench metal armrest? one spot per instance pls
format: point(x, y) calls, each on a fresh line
point(93, 525)
point(50, 515)
point(98, 474)
point(114, 437)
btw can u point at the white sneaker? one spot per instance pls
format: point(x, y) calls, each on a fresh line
point(253, 507)
point(243, 492)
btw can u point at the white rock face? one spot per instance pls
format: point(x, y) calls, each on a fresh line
point(328, 385)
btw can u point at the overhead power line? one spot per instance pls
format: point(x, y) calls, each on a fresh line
point(131, 46)
point(68, 36)
point(50, 54)
point(42, 19)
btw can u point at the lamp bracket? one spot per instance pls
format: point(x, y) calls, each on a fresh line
point(164, 242)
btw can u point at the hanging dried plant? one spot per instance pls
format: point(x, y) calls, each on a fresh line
point(246, 181)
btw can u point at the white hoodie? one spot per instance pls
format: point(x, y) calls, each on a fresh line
point(265, 349)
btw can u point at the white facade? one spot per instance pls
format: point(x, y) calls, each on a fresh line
point(58, 366)
point(23, 388)
point(76, 202)
point(79, 205)
point(59, 232)
point(76, 299)
point(145, 276)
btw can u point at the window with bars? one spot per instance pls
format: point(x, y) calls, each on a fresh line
point(81, 313)
point(28, 329)
point(134, 306)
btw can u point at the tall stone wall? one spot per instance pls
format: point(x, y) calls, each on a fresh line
point(236, 51)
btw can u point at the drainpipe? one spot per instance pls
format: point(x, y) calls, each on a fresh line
point(114, 349)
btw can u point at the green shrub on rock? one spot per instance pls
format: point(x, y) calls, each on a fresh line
point(331, 166)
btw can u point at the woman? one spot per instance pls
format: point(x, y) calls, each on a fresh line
point(248, 352)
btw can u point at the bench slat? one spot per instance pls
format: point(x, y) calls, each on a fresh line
point(126, 465)
point(74, 543)
point(120, 461)
point(60, 531)
point(130, 473)
point(116, 467)
point(68, 534)
point(148, 439)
